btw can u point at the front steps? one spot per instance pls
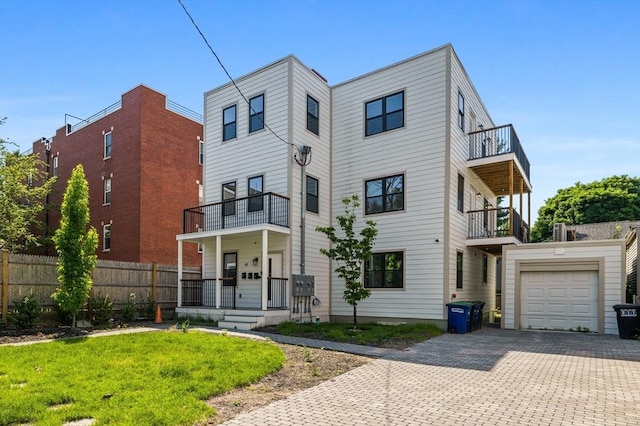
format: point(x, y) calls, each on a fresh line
point(241, 321)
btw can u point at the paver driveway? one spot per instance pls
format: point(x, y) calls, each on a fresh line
point(489, 377)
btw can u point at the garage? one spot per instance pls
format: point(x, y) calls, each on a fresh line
point(559, 300)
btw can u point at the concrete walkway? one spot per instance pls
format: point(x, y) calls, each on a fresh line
point(489, 377)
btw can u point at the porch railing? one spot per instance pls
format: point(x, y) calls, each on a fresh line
point(202, 293)
point(497, 141)
point(495, 223)
point(249, 211)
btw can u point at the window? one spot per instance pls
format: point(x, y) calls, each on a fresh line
point(255, 201)
point(107, 191)
point(256, 113)
point(229, 194)
point(107, 145)
point(485, 268)
point(229, 123)
point(312, 194)
point(459, 270)
point(313, 115)
point(384, 114)
point(461, 111)
point(384, 270)
point(384, 194)
point(106, 237)
point(55, 166)
point(201, 152)
point(461, 193)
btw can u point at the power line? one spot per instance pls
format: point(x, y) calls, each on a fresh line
point(229, 75)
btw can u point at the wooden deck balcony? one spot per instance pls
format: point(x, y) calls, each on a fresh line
point(491, 228)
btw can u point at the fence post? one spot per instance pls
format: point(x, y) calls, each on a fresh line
point(154, 281)
point(5, 286)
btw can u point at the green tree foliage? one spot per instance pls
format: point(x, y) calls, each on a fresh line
point(608, 200)
point(350, 251)
point(76, 245)
point(23, 189)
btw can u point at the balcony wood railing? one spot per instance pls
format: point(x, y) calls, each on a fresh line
point(249, 211)
point(496, 223)
point(497, 141)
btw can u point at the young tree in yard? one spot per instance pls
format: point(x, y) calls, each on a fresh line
point(23, 188)
point(608, 200)
point(76, 245)
point(350, 252)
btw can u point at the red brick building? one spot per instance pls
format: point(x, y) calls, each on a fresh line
point(142, 160)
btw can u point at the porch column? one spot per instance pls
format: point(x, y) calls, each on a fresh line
point(179, 274)
point(265, 269)
point(511, 184)
point(219, 271)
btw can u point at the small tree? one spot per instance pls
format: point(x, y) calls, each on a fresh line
point(76, 245)
point(350, 252)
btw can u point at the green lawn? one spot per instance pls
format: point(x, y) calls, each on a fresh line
point(371, 334)
point(153, 378)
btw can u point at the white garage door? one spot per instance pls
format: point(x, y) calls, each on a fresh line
point(559, 300)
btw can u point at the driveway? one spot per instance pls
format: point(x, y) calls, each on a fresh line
point(488, 377)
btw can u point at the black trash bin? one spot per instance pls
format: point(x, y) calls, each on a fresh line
point(628, 320)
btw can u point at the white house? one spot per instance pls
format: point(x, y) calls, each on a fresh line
point(413, 140)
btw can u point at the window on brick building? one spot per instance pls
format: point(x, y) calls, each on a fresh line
point(55, 166)
point(107, 191)
point(106, 237)
point(107, 145)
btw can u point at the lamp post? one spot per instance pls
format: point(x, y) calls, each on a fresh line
point(303, 158)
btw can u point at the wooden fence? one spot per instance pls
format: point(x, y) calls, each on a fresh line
point(24, 275)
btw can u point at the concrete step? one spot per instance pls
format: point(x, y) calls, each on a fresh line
point(237, 325)
point(243, 318)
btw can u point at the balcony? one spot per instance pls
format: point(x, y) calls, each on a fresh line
point(498, 159)
point(204, 293)
point(491, 228)
point(268, 208)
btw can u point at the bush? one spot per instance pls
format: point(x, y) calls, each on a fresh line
point(101, 309)
point(62, 316)
point(129, 309)
point(148, 309)
point(27, 312)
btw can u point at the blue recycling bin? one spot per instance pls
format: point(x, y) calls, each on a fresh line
point(459, 314)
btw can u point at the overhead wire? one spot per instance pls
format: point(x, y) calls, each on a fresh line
point(229, 75)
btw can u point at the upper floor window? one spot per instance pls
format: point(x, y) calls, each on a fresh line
point(254, 203)
point(461, 111)
point(384, 114)
point(313, 115)
point(200, 152)
point(460, 193)
point(256, 113)
point(55, 166)
point(229, 194)
point(485, 269)
point(459, 270)
point(229, 123)
point(107, 191)
point(312, 194)
point(384, 194)
point(384, 270)
point(107, 145)
point(106, 237)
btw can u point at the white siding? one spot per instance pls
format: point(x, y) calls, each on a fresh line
point(609, 252)
point(418, 151)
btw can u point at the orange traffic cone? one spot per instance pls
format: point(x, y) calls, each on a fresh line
point(158, 315)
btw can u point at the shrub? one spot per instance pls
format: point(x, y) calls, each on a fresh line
point(147, 309)
point(101, 309)
point(129, 309)
point(27, 312)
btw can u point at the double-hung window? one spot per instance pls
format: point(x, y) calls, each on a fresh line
point(229, 123)
point(106, 237)
point(385, 270)
point(461, 111)
point(459, 265)
point(107, 191)
point(107, 145)
point(200, 152)
point(384, 194)
point(313, 115)
point(256, 113)
point(228, 198)
point(384, 114)
point(55, 166)
point(255, 201)
point(460, 193)
point(312, 194)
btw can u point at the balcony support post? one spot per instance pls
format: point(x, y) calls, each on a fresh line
point(265, 269)
point(179, 274)
point(219, 271)
point(511, 233)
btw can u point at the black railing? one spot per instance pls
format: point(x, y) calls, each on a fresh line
point(496, 223)
point(277, 292)
point(255, 210)
point(198, 292)
point(497, 141)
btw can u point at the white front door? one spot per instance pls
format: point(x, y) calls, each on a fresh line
point(275, 265)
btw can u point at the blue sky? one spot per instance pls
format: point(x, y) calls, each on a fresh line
point(566, 74)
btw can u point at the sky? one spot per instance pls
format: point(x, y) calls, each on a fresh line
point(565, 73)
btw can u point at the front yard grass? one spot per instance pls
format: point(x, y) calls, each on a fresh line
point(159, 378)
point(371, 334)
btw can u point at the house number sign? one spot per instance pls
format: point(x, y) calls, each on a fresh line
point(628, 313)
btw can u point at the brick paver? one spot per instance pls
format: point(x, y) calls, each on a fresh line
point(489, 377)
